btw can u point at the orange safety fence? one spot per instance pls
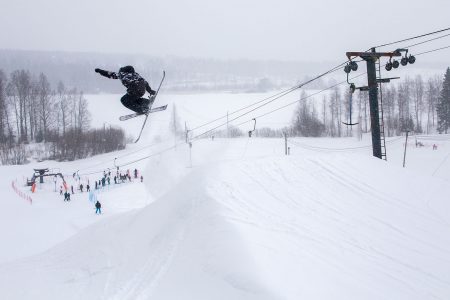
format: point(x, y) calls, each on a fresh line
point(20, 193)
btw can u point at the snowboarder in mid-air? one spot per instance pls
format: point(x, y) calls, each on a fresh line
point(136, 88)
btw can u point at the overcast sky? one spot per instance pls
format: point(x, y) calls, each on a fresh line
point(320, 30)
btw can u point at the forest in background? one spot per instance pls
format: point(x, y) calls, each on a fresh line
point(32, 111)
point(413, 104)
point(42, 102)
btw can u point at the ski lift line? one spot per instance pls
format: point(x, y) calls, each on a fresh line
point(115, 166)
point(265, 99)
point(151, 155)
point(338, 84)
point(427, 41)
point(143, 148)
point(264, 104)
point(412, 38)
point(121, 156)
point(434, 50)
point(276, 96)
point(241, 115)
point(304, 98)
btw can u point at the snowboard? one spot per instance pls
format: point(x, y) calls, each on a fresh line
point(134, 115)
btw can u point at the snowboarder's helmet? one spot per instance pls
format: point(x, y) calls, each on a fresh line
point(127, 69)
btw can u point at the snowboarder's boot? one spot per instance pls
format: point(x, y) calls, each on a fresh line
point(148, 105)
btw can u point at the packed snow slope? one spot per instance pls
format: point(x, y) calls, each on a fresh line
point(246, 222)
point(239, 221)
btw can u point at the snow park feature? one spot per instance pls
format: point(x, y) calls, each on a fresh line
point(246, 221)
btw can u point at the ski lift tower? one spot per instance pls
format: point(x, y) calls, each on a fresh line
point(371, 57)
point(40, 173)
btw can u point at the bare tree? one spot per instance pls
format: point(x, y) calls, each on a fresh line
point(363, 97)
point(335, 112)
point(403, 98)
point(46, 105)
point(20, 90)
point(433, 87)
point(83, 115)
point(62, 106)
point(418, 92)
point(3, 108)
point(324, 113)
point(72, 107)
point(389, 101)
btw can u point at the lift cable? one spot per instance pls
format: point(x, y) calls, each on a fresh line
point(275, 96)
point(412, 38)
point(279, 95)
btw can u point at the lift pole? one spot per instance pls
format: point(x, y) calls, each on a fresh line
point(373, 105)
point(372, 84)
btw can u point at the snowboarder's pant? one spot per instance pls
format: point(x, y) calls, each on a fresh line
point(134, 103)
point(98, 211)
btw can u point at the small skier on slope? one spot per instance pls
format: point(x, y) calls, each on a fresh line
point(98, 208)
point(136, 87)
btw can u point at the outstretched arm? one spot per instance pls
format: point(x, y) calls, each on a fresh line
point(149, 89)
point(107, 73)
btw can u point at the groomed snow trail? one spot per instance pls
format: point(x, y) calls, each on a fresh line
point(235, 226)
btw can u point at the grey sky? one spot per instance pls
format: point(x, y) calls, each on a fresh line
point(261, 29)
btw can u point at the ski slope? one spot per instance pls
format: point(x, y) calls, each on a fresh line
point(244, 221)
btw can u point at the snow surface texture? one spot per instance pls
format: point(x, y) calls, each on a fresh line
point(244, 222)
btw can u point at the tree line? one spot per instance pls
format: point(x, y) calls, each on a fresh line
point(413, 104)
point(31, 111)
point(186, 74)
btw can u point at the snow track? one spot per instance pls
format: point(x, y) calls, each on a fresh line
point(263, 226)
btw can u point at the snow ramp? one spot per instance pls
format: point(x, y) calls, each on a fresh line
point(319, 227)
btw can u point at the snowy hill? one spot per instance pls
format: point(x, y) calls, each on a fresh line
point(244, 222)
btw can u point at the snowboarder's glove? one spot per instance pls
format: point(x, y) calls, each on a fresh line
point(152, 92)
point(103, 72)
point(106, 73)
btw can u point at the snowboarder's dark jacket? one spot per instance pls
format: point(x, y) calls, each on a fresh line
point(135, 84)
point(98, 205)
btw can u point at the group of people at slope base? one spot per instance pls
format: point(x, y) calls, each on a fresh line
point(104, 181)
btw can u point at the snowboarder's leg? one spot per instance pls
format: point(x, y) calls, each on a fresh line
point(136, 104)
point(130, 102)
point(145, 104)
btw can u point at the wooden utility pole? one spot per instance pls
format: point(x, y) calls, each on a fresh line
point(372, 85)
